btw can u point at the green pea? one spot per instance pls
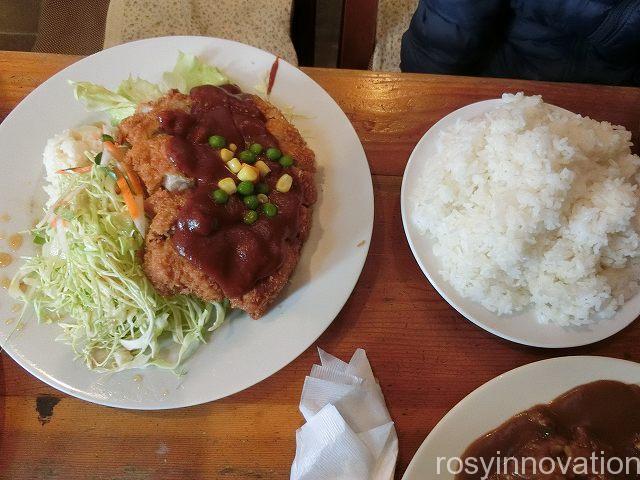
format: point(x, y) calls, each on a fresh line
point(217, 141)
point(273, 153)
point(220, 196)
point(262, 188)
point(251, 202)
point(286, 161)
point(250, 216)
point(247, 156)
point(270, 210)
point(245, 188)
point(256, 148)
point(107, 138)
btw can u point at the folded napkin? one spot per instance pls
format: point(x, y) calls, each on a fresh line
point(349, 433)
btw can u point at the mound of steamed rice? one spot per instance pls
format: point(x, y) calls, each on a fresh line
point(532, 206)
point(68, 150)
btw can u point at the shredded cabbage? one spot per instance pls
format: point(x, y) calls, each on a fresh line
point(90, 281)
point(188, 72)
point(139, 90)
point(97, 98)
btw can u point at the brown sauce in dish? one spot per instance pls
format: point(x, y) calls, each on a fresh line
point(601, 417)
point(214, 237)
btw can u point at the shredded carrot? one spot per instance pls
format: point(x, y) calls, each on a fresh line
point(117, 171)
point(121, 175)
point(66, 199)
point(53, 223)
point(128, 196)
point(134, 180)
point(117, 152)
point(84, 169)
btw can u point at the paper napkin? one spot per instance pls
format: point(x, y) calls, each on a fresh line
point(348, 432)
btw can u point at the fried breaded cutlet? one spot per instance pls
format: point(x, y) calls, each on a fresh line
point(169, 271)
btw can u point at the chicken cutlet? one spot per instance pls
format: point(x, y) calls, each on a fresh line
point(225, 222)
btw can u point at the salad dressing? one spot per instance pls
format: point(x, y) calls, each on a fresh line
point(214, 236)
point(15, 241)
point(5, 259)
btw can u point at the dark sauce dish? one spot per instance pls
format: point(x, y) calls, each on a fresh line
point(597, 422)
point(572, 417)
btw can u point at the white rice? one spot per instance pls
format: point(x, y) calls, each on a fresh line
point(532, 206)
point(67, 150)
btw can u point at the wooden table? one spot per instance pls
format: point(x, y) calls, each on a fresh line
point(426, 356)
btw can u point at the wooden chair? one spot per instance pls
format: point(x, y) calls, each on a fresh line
point(356, 38)
point(83, 38)
point(73, 27)
point(303, 30)
point(358, 33)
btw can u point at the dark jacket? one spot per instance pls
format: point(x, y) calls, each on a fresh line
point(594, 41)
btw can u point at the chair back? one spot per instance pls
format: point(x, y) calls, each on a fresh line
point(358, 33)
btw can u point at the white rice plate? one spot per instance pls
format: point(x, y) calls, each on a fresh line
point(531, 206)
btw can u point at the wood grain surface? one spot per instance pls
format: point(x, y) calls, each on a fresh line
point(426, 356)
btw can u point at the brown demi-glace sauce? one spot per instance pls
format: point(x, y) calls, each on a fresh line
point(214, 237)
point(602, 416)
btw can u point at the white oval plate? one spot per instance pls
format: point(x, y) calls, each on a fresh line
point(243, 352)
point(521, 327)
point(496, 401)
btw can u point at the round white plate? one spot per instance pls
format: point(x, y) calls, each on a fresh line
point(521, 327)
point(243, 352)
point(487, 407)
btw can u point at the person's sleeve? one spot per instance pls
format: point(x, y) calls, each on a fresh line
point(452, 36)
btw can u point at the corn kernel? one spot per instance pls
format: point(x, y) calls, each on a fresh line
point(248, 173)
point(262, 167)
point(228, 185)
point(262, 198)
point(284, 183)
point(234, 165)
point(233, 147)
point(226, 154)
